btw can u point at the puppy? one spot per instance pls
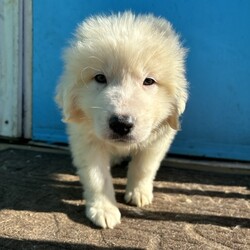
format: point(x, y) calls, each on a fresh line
point(121, 93)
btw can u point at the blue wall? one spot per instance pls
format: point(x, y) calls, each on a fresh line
point(217, 119)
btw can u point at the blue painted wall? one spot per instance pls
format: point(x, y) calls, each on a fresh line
point(217, 119)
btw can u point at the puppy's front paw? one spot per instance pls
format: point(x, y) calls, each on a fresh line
point(139, 196)
point(105, 216)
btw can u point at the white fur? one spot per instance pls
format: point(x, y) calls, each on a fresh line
point(126, 49)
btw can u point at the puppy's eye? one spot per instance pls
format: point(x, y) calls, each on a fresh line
point(100, 78)
point(149, 81)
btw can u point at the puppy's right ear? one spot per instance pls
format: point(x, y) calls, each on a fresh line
point(66, 99)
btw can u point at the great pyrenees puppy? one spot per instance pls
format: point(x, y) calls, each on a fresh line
point(121, 93)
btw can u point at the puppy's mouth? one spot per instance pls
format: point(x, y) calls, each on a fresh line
point(126, 139)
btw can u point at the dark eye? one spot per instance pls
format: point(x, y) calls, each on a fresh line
point(100, 78)
point(149, 81)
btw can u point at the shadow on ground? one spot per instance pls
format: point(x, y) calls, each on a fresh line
point(46, 184)
point(35, 244)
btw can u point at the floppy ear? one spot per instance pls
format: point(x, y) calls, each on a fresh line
point(66, 100)
point(179, 107)
point(173, 120)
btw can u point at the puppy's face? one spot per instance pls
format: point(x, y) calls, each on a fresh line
point(124, 106)
point(127, 83)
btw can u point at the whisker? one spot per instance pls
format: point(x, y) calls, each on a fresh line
point(92, 68)
point(82, 71)
point(96, 107)
point(94, 57)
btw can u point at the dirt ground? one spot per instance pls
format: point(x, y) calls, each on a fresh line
point(41, 207)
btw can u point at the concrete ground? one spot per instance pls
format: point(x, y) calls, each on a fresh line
point(41, 205)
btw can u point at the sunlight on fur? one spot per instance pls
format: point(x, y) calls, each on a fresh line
point(121, 93)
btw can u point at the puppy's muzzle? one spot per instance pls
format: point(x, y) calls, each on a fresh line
point(121, 125)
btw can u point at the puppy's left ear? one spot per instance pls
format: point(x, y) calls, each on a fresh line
point(173, 120)
point(178, 108)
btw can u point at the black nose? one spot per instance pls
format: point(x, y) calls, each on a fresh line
point(121, 124)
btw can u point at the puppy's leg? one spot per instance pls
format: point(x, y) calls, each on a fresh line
point(142, 171)
point(93, 169)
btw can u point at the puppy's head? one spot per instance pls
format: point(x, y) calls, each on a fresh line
point(124, 77)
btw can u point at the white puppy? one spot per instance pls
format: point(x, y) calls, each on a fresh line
point(122, 92)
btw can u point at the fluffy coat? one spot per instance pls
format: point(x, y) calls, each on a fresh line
point(121, 66)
